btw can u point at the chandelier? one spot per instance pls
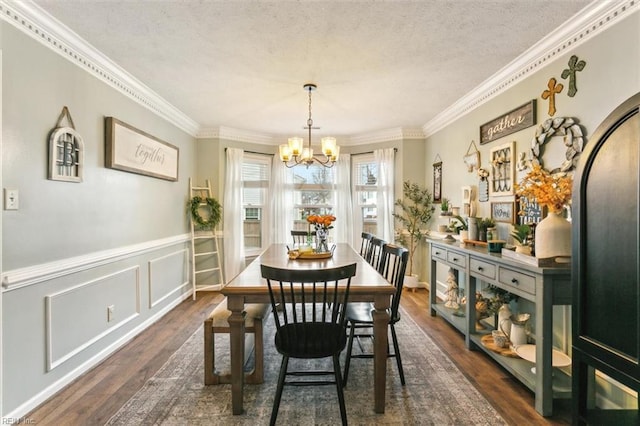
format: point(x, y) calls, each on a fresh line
point(294, 153)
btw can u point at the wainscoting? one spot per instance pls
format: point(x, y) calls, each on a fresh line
point(62, 318)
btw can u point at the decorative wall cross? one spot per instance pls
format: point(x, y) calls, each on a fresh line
point(551, 94)
point(574, 67)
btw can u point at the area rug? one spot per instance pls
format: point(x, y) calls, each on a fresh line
point(436, 392)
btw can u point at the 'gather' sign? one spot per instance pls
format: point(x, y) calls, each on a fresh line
point(515, 120)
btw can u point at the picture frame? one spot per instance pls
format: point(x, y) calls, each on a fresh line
point(504, 211)
point(529, 211)
point(437, 182)
point(132, 150)
point(503, 172)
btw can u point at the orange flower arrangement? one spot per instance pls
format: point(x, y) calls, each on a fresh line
point(321, 222)
point(553, 191)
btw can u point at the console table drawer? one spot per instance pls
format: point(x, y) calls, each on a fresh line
point(518, 280)
point(439, 253)
point(457, 258)
point(485, 269)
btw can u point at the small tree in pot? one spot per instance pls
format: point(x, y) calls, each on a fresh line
point(417, 211)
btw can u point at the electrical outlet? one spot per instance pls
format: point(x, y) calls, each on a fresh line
point(110, 312)
point(11, 199)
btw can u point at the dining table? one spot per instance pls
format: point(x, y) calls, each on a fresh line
point(366, 286)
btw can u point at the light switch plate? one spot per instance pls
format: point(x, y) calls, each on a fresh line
point(11, 199)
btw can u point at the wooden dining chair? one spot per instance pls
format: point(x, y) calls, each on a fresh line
point(364, 243)
point(393, 265)
point(309, 312)
point(300, 237)
point(375, 249)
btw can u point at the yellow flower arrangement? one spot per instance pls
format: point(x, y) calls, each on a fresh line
point(552, 191)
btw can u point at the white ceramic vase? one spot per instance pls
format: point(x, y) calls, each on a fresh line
point(553, 237)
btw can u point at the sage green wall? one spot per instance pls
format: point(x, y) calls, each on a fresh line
point(611, 75)
point(110, 208)
point(60, 222)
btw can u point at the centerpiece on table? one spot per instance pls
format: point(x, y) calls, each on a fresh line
point(322, 224)
point(553, 191)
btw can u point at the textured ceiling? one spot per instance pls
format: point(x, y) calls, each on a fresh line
point(378, 64)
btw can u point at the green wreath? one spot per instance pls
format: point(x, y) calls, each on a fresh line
point(212, 205)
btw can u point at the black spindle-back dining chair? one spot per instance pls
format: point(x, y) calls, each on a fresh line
point(393, 265)
point(375, 250)
point(364, 244)
point(309, 312)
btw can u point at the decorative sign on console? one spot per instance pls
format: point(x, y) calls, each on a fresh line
point(515, 120)
point(135, 151)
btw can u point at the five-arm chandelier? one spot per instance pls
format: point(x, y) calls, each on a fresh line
point(293, 153)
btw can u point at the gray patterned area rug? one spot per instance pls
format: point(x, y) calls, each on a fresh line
point(436, 392)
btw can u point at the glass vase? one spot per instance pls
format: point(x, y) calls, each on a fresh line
point(321, 241)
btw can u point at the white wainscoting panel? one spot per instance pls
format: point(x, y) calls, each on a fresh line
point(78, 316)
point(164, 273)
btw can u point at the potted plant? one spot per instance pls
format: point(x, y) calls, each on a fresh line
point(459, 226)
point(520, 234)
point(484, 224)
point(416, 212)
point(444, 207)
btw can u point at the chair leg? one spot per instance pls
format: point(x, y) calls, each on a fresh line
point(337, 373)
point(281, 378)
point(347, 362)
point(396, 349)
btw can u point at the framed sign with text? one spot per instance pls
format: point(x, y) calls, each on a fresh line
point(530, 211)
point(513, 121)
point(132, 150)
point(504, 211)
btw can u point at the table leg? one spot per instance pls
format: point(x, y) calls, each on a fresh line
point(236, 342)
point(380, 336)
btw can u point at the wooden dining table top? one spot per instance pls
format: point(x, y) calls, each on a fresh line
point(366, 281)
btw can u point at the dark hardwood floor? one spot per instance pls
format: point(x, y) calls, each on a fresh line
point(94, 397)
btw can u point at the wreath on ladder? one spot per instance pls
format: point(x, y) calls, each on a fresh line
point(214, 211)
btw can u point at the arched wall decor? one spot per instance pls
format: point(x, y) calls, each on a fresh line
point(66, 151)
point(573, 140)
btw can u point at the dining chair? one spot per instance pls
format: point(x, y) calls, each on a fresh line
point(300, 237)
point(393, 265)
point(375, 250)
point(309, 312)
point(364, 244)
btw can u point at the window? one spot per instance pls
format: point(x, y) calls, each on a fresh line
point(255, 179)
point(314, 193)
point(365, 182)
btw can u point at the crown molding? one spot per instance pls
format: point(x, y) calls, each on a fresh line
point(32, 20)
point(387, 135)
point(593, 19)
point(238, 135)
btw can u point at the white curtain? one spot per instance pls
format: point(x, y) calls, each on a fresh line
point(233, 227)
point(385, 159)
point(281, 203)
point(343, 226)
